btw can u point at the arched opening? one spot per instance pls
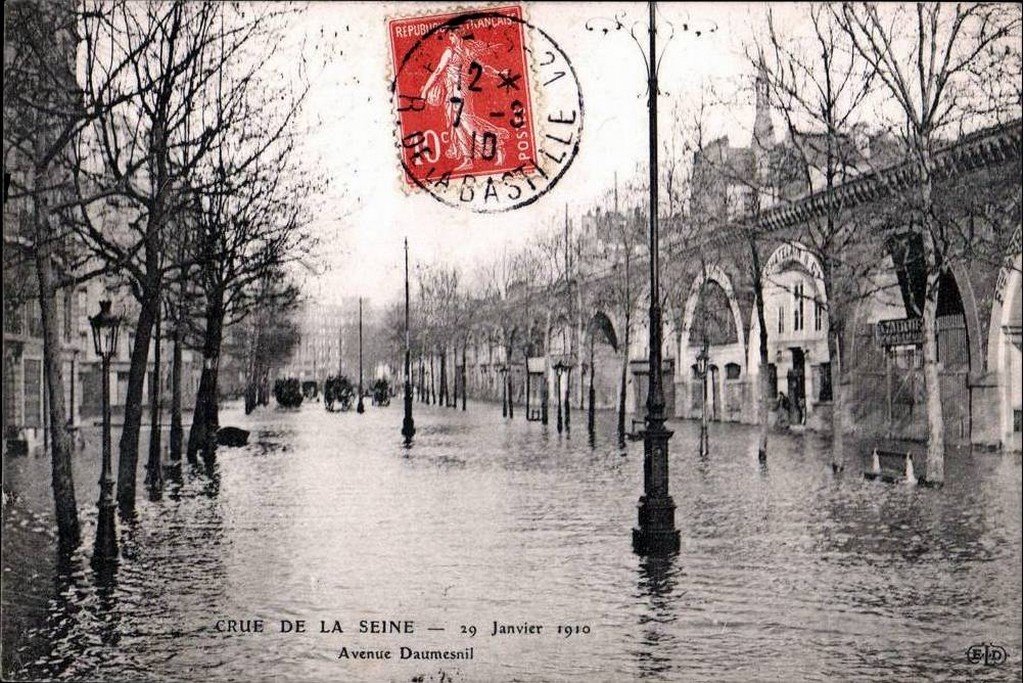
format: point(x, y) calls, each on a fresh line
point(712, 325)
point(711, 316)
point(602, 365)
point(954, 357)
point(799, 360)
point(1004, 355)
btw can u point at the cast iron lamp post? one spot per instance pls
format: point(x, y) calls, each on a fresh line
point(104, 336)
point(559, 368)
point(702, 373)
point(408, 429)
point(656, 532)
point(359, 404)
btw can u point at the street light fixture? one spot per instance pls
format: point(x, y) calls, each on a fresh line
point(105, 328)
point(702, 372)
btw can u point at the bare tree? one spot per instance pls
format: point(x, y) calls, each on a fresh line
point(819, 87)
point(948, 69)
point(251, 205)
point(45, 112)
point(41, 114)
point(141, 151)
point(625, 236)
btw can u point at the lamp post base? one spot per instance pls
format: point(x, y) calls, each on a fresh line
point(656, 533)
point(105, 551)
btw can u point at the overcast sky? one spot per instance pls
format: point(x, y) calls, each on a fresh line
point(350, 113)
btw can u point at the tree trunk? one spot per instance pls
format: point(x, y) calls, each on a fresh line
point(545, 387)
point(128, 461)
point(933, 391)
point(933, 397)
point(622, 385)
point(432, 399)
point(202, 437)
point(176, 428)
point(154, 473)
point(464, 376)
point(61, 444)
point(443, 381)
point(568, 399)
point(590, 390)
point(508, 380)
point(835, 351)
point(765, 392)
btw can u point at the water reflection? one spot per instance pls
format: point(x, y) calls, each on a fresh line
point(792, 572)
point(659, 646)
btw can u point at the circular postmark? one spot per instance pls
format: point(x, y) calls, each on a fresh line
point(489, 108)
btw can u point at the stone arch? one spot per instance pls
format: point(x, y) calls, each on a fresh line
point(601, 325)
point(1004, 347)
point(602, 371)
point(970, 305)
point(711, 273)
point(724, 397)
point(798, 356)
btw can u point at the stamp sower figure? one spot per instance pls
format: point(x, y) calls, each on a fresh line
point(445, 85)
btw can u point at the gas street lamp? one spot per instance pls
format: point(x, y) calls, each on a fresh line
point(562, 367)
point(702, 373)
point(105, 328)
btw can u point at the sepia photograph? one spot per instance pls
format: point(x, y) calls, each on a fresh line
point(442, 342)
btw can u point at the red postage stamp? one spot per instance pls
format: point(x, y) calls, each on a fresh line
point(467, 129)
point(463, 94)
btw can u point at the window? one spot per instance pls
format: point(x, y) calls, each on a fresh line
point(732, 371)
point(14, 319)
point(825, 382)
point(10, 390)
point(35, 318)
point(33, 393)
point(819, 311)
point(782, 319)
point(798, 307)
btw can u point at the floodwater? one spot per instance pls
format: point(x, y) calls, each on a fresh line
point(786, 571)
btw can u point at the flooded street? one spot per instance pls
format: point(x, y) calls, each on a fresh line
point(786, 571)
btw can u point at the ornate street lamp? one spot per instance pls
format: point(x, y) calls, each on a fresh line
point(408, 429)
point(656, 532)
point(559, 368)
point(562, 367)
point(702, 372)
point(104, 336)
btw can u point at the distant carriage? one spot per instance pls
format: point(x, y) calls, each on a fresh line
point(288, 392)
point(338, 391)
point(381, 393)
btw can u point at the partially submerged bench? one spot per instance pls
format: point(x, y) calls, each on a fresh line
point(891, 466)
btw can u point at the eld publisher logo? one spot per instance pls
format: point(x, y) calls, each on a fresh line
point(987, 654)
